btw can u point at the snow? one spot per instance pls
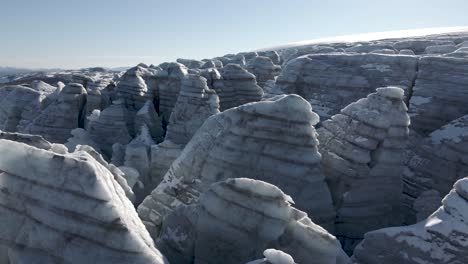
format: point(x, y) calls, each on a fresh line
point(59, 149)
point(94, 115)
point(432, 222)
point(277, 257)
point(461, 186)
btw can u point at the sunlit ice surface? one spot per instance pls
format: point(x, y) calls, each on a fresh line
point(374, 36)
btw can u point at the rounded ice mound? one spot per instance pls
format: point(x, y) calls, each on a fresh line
point(277, 257)
point(133, 89)
point(272, 54)
point(236, 86)
point(189, 63)
point(282, 106)
point(237, 219)
point(264, 69)
point(382, 109)
point(407, 52)
point(269, 200)
point(391, 92)
point(384, 51)
point(43, 87)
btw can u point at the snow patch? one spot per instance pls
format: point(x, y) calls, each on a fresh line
point(277, 257)
point(432, 222)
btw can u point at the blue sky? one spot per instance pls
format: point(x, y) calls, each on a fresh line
point(111, 33)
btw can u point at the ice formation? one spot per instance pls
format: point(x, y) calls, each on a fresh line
point(93, 102)
point(137, 153)
point(66, 208)
point(158, 130)
point(440, 94)
point(191, 64)
point(272, 54)
point(112, 126)
point(132, 88)
point(238, 59)
point(273, 141)
point(236, 87)
point(419, 46)
point(263, 69)
point(332, 81)
point(147, 116)
point(196, 102)
point(168, 83)
point(237, 219)
point(62, 116)
point(43, 87)
point(440, 49)
point(436, 163)
point(293, 53)
point(441, 238)
point(362, 150)
point(80, 136)
point(14, 103)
